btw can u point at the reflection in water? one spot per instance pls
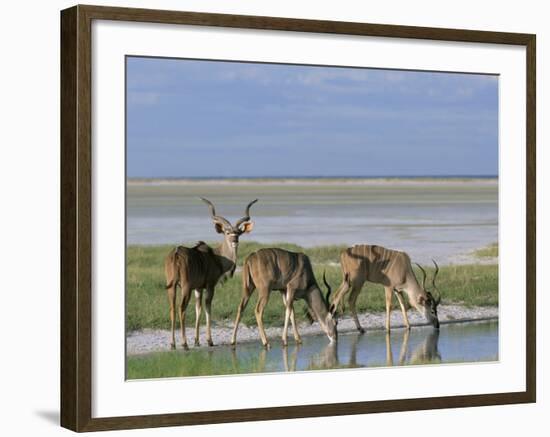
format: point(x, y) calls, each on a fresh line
point(402, 353)
point(293, 358)
point(461, 343)
point(327, 359)
point(424, 352)
point(453, 343)
point(427, 351)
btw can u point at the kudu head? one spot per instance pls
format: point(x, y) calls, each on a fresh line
point(427, 301)
point(330, 322)
point(231, 233)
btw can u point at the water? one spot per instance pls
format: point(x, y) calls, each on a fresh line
point(441, 220)
point(453, 343)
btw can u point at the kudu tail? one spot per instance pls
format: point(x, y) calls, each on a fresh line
point(338, 299)
point(248, 282)
point(171, 270)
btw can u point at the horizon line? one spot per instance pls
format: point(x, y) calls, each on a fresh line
point(454, 176)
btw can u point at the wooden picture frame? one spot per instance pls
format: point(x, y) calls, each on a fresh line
point(76, 217)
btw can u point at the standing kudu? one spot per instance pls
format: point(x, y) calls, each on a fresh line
point(393, 270)
point(291, 274)
point(200, 268)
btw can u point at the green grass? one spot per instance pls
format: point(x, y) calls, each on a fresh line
point(147, 303)
point(175, 364)
point(198, 363)
point(490, 251)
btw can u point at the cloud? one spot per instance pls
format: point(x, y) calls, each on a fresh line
point(143, 98)
point(252, 114)
point(322, 76)
point(244, 73)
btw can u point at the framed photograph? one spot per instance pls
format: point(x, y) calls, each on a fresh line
point(283, 218)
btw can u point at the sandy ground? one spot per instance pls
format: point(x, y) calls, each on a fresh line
point(151, 340)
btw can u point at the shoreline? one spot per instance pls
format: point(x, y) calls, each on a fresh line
point(459, 259)
point(157, 340)
point(412, 181)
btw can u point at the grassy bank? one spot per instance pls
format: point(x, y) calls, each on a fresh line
point(490, 251)
point(147, 304)
point(198, 363)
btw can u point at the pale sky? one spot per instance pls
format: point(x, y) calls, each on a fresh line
point(188, 118)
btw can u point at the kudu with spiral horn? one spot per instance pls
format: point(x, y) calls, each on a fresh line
point(392, 269)
point(290, 273)
point(200, 268)
point(432, 302)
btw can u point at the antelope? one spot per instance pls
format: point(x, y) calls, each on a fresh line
point(393, 270)
point(200, 268)
point(291, 274)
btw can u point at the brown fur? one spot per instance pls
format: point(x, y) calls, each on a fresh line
point(200, 268)
point(289, 273)
point(195, 268)
point(390, 268)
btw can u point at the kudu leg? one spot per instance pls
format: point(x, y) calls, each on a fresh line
point(198, 313)
point(389, 295)
point(172, 302)
point(403, 309)
point(340, 294)
point(244, 301)
point(288, 310)
point(242, 306)
point(185, 296)
point(297, 337)
point(352, 301)
point(259, 313)
point(208, 306)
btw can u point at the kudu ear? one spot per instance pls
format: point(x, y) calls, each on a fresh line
point(246, 227)
point(218, 227)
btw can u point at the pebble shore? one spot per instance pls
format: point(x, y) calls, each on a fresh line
point(155, 340)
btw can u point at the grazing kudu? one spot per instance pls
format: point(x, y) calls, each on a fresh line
point(200, 268)
point(393, 270)
point(291, 274)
